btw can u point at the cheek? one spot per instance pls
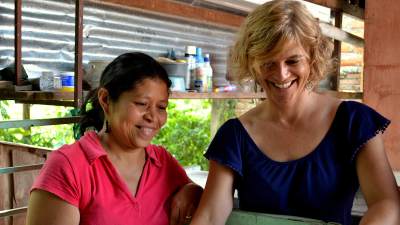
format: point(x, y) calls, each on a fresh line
point(162, 119)
point(130, 116)
point(304, 72)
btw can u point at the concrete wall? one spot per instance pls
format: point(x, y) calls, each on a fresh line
point(382, 68)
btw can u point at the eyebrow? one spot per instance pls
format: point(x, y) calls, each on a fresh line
point(296, 56)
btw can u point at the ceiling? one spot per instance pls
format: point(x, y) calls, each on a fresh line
point(243, 7)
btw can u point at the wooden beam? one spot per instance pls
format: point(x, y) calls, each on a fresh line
point(12, 212)
point(341, 5)
point(333, 4)
point(38, 122)
point(47, 102)
point(337, 50)
point(78, 68)
point(15, 169)
point(181, 10)
point(18, 42)
point(37, 150)
point(341, 35)
point(353, 10)
point(217, 95)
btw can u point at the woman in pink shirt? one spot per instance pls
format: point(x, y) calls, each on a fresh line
point(113, 175)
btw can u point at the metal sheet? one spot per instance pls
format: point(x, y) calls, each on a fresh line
point(48, 35)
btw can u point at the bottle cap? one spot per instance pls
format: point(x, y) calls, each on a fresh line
point(207, 57)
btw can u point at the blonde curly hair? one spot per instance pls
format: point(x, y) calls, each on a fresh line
point(271, 25)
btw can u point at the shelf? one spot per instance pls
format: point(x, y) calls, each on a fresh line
point(66, 98)
point(215, 95)
point(39, 97)
point(42, 97)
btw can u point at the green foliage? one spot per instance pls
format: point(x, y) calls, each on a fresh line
point(187, 132)
point(43, 136)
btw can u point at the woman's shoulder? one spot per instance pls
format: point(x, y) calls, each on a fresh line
point(355, 106)
point(354, 109)
point(80, 153)
point(68, 151)
point(67, 157)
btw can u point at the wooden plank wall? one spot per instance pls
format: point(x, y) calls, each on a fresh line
point(382, 69)
point(14, 188)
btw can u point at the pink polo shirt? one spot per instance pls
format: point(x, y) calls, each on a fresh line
point(82, 175)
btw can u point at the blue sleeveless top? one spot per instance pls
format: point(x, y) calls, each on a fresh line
point(320, 185)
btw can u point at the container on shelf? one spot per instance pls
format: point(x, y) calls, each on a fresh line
point(67, 81)
point(177, 74)
point(208, 73)
point(190, 56)
point(49, 81)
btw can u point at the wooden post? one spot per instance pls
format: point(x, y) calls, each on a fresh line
point(382, 69)
point(338, 15)
point(78, 95)
point(17, 42)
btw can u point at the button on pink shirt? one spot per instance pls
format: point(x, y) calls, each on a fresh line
point(82, 175)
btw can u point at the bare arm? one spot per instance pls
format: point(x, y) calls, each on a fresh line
point(217, 200)
point(45, 208)
point(378, 185)
point(184, 203)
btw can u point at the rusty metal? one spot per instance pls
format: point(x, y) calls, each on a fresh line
point(78, 96)
point(108, 32)
point(17, 41)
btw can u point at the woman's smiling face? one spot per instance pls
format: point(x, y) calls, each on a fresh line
point(138, 115)
point(284, 75)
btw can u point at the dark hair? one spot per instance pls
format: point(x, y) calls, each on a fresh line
point(122, 74)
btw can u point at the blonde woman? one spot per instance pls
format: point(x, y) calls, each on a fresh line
point(298, 153)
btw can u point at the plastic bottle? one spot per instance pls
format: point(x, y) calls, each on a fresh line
point(208, 72)
point(199, 71)
point(191, 61)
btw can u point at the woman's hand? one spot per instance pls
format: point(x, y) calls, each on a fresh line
point(184, 203)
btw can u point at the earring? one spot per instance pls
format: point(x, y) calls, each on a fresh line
point(108, 129)
point(309, 86)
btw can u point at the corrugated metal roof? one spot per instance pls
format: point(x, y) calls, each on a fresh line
point(48, 35)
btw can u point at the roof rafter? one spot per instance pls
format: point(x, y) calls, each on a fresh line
point(341, 5)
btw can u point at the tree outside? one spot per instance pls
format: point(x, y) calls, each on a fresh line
point(186, 134)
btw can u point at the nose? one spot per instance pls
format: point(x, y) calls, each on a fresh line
point(149, 114)
point(282, 70)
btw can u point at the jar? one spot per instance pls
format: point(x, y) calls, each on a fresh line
point(46, 81)
point(67, 81)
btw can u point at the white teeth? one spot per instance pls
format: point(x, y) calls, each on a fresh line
point(284, 85)
point(147, 131)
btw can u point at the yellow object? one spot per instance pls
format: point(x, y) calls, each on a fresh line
point(68, 89)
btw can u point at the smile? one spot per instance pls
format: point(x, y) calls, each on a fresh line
point(146, 130)
point(283, 85)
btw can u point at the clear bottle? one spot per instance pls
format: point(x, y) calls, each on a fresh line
point(208, 73)
point(190, 72)
point(199, 71)
point(200, 80)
